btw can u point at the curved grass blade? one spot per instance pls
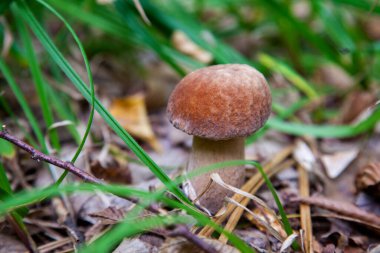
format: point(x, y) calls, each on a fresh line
point(22, 199)
point(226, 164)
point(26, 198)
point(364, 5)
point(145, 35)
point(290, 74)
point(111, 239)
point(90, 79)
point(57, 56)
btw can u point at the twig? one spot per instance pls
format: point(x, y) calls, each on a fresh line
point(183, 231)
point(179, 230)
point(39, 156)
point(340, 207)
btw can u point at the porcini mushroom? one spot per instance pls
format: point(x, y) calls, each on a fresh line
point(219, 105)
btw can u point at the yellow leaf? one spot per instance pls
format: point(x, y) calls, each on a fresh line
point(131, 113)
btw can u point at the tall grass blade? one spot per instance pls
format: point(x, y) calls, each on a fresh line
point(57, 56)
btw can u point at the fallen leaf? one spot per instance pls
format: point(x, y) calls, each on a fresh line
point(185, 45)
point(85, 204)
point(180, 245)
point(262, 216)
point(113, 173)
point(304, 156)
point(331, 74)
point(336, 163)
point(131, 113)
point(110, 215)
point(257, 239)
point(11, 244)
point(135, 245)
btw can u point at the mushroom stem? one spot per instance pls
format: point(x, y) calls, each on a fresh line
point(206, 152)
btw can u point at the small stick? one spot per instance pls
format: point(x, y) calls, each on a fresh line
point(39, 156)
point(340, 207)
point(306, 224)
point(179, 230)
point(183, 231)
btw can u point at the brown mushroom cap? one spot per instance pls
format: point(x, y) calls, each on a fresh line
point(220, 102)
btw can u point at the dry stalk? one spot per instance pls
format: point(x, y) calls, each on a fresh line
point(305, 209)
point(250, 186)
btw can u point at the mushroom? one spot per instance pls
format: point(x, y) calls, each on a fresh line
point(219, 105)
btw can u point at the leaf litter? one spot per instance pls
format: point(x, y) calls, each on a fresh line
point(329, 169)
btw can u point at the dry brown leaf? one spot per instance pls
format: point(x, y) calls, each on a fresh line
point(180, 245)
point(131, 113)
point(368, 179)
point(110, 215)
point(266, 217)
point(372, 27)
point(185, 45)
point(331, 74)
point(114, 173)
point(85, 204)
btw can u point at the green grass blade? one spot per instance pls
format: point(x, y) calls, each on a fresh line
point(5, 105)
point(291, 75)
point(280, 12)
point(335, 28)
point(62, 112)
point(177, 18)
point(22, 199)
point(37, 79)
point(287, 226)
point(4, 183)
point(327, 131)
point(26, 198)
point(97, 17)
point(90, 79)
point(23, 103)
point(81, 86)
point(363, 5)
point(111, 239)
point(226, 164)
point(145, 35)
point(18, 214)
